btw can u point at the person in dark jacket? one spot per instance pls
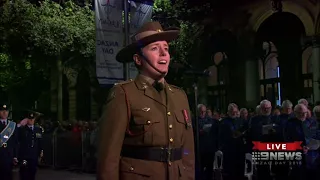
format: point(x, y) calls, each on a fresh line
point(257, 133)
point(281, 171)
point(30, 151)
point(294, 131)
point(8, 144)
point(232, 144)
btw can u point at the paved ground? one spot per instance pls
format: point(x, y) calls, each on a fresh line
point(49, 174)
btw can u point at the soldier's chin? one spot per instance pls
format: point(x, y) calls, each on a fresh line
point(163, 73)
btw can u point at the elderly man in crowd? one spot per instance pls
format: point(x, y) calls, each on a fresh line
point(232, 144)
point(244, 114)
point(294, 131)
point(306, 103)
point(260, 130)
point(208, 128)
point(281, 171)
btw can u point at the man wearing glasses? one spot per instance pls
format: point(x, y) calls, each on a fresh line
point(263, 128)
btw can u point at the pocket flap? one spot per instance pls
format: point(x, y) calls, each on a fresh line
point(141, 117)
point(179, 116)
point(135, 166)
point(144, 121)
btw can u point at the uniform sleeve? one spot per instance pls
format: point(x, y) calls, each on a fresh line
point(112, 128)
point(16, 142)
point(188, 159)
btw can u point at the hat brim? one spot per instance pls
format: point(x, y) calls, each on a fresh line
point(125, 55)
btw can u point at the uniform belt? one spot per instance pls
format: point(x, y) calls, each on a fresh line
point(159, 154)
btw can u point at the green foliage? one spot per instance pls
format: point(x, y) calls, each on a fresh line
point(49, 30)
point(177, 15)
point(64, 31)
point(12, 73)
point(33, 37)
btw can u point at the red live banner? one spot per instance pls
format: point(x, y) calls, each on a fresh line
point(270, 146)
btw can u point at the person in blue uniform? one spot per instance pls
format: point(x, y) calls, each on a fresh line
point(8, 144)
point(30, 150)
point(232, 144)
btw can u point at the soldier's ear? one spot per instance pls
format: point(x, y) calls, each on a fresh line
point(137, 59)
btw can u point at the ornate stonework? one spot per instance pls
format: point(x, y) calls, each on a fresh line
point(72, 76)
point(259, 15)
point(276, 5)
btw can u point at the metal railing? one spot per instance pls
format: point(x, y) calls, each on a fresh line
point(70, 150)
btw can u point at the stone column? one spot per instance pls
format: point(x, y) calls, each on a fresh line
point(252, 81)
point(72, 76)
point(315, 59)
point(247, 69)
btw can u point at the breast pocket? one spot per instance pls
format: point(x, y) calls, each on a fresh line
point(142, 124)
point(181, 124)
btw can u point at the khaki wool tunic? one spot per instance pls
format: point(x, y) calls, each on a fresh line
point(159, 120)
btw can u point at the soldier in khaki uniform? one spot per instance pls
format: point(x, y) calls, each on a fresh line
point(146, 130)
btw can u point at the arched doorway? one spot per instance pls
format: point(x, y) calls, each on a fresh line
point(269, 73)
point(217, 93)
point(284, 30)
point(307, 74)
point(224, 69)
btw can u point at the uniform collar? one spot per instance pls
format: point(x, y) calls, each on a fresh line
point(144, 83)
point(4, 120)
point(146, 79)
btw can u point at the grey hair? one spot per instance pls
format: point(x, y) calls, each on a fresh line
point(287, 104)
point(258, 109)
point(231, 106)
point(316, 111)
point(303, 101)
point(200, 106)
point(263, 102)
point(243, 109)
point(299, 107)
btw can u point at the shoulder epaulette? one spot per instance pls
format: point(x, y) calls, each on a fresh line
point(175, 87)
point(123, 82)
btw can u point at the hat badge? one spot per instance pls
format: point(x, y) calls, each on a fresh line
point(159, 30)
point(4, 106)
point(31, 115)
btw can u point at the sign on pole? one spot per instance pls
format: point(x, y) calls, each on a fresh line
point(110, 36)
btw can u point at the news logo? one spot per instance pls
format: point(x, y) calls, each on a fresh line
point(271, 153)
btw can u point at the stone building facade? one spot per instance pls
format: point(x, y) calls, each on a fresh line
point(277, 56)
